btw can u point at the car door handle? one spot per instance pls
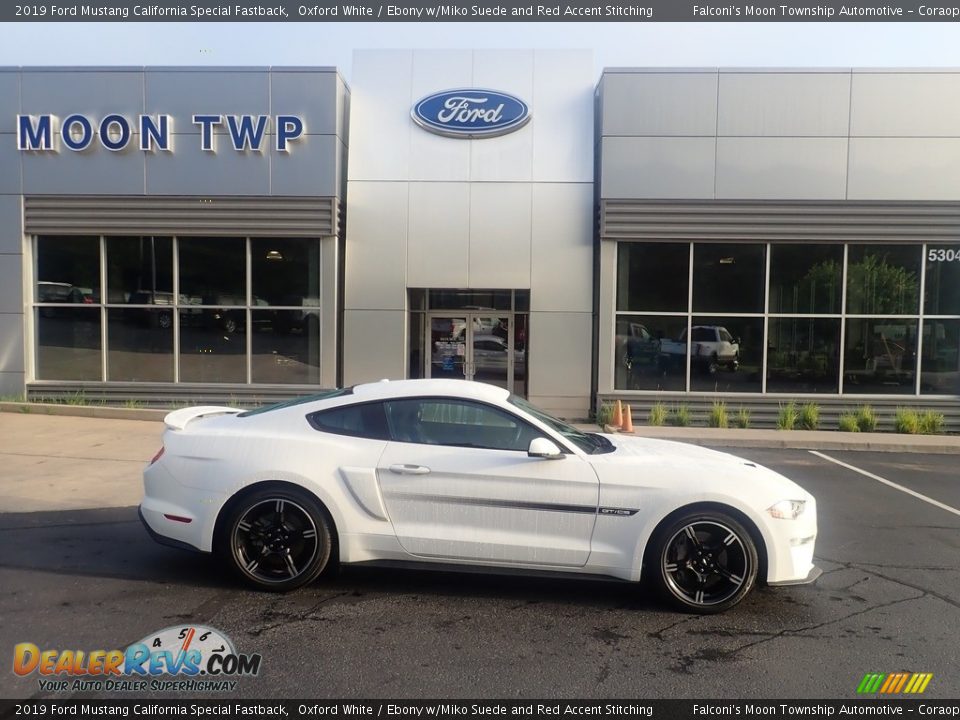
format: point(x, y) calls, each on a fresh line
point(409, 469)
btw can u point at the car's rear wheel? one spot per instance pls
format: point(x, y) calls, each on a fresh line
point(704, 562)
point(277, 539)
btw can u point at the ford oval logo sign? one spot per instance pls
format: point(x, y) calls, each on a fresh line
point(471, 113)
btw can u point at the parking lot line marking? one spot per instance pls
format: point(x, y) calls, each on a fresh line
point(894, 485)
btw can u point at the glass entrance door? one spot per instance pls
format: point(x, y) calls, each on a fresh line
point(472, 346)
point(447, 340)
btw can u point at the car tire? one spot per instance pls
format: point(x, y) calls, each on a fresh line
point(702, 562)
point(277, 539)
point(735, 363)
point(713, 365)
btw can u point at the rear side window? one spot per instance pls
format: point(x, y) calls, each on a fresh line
point(366, 420)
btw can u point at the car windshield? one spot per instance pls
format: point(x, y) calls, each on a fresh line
point(590, 443)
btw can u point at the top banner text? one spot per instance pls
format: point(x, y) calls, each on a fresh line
point(473, 11)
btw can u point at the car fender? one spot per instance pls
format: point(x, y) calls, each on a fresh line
point(653, 520)
point(263, 478)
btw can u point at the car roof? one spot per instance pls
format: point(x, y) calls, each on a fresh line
point(411, 388)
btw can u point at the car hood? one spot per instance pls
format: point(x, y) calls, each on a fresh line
point(696, 465)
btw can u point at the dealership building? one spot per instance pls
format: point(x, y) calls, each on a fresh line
point(683, 236)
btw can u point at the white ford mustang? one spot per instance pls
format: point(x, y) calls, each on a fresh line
point(461, 473)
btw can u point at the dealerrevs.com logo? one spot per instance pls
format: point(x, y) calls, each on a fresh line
point(198, 658)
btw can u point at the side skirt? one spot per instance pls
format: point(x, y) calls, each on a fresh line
point(573, 574)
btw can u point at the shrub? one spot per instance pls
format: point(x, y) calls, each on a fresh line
point(604, 413)
point(866, 419)
point(809, 416)
point(76, 398)
point(742, 418)
point(658, 414)
point(848, 422)
point(681, 416)
point(931, 422)
point(907, 420)
point(718, 417)
point(787, 417)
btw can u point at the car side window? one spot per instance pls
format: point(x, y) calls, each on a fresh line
point(365, 420)
point(460, 423)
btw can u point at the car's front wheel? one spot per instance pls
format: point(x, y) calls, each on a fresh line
point(704, 562)
point(277, 539)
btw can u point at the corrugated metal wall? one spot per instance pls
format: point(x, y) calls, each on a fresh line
point(773, 221)
point(165, 215)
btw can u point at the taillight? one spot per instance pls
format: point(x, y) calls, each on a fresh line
point(158, 455)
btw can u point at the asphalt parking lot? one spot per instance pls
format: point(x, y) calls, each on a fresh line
point(889, 601)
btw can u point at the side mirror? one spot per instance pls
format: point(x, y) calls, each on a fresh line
point(543, 448)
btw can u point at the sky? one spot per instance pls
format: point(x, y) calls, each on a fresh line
point(842, 45)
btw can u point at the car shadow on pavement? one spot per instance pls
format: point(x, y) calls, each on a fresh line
point(504, 586)
point(106, 543)
point(112, 543)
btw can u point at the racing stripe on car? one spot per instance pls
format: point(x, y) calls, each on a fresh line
point(514, 504)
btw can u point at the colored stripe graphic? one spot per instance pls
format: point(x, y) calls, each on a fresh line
point(894, 683)
point(901, 682)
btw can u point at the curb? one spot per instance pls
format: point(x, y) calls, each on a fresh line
point(84, 411)
point(825, 444)
point(800, 439)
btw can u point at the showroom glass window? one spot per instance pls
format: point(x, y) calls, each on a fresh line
point(140, 309)
point(940, 339)
point(68, 317)
point(726, 333)
point(883, 305)
point(671, 335)
point(653, 299)
point(819, 318)
point(190, 309)
point(803, 332)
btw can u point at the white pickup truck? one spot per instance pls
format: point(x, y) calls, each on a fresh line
point(713, 348)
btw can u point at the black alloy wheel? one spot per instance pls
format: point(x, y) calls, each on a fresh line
point(278, 540)
point(705, 562)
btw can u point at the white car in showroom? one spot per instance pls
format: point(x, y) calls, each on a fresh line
point(458, 473)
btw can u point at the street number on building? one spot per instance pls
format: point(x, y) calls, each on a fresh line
point(943, 255)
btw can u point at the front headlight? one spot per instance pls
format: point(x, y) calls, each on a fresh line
point(787, 509)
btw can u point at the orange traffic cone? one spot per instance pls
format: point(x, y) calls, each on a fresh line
point(628, 420)
point(617, 419)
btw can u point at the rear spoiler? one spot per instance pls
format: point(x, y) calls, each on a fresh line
point(179, 419)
